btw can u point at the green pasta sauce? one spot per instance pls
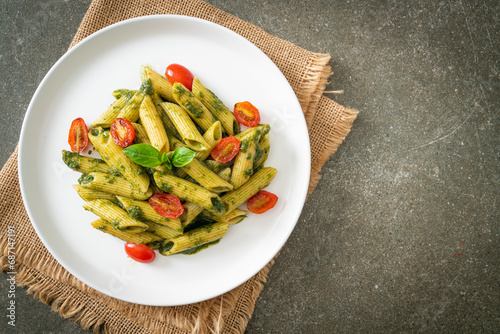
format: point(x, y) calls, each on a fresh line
point(147, 87)
point(218, 205)
point(135, 212)
point(85, 178)
point(199, 248)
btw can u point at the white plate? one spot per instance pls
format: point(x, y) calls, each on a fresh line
point(80, 85)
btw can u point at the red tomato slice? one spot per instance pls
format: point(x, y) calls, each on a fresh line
point(246, 114)
point(122, 132)
point(140, 253)
point(226, 149)
point(178, 73)
point(78, 138)
point(261, 202)
point(166, 205)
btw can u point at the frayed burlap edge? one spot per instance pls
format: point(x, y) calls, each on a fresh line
point(314, 84)
point(88, 313)
point(337, 128)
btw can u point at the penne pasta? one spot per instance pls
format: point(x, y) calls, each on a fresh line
point(196, 110)
point(257, 181)
point(115, 215)
point(262, 152)
point(88, 194)
point(107, 117)
point(142, 210)
point(185, 126)
point(114, 156)
point(230, 218)
point(190, 192)
point(205, 177)
point(160, 84)
point(141, 136)
point(131, 110)
point(153, 125)
point(136, 238)
point(113, 185)
point(167, 123)
point(85, 164)
point(216, 107)
point(194, 238)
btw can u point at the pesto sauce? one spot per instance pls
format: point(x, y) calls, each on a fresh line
point(198, 222)
point(248, 172)
point(165, 186)
point(218, 205)
point(73, 165)
point(217, 104)
point(147, 87)
point(258, 153)
point(166, 247)
point(180, 90)
point(236, 127)
point(154, 245)
point(109, 179)
point(114, 171)
point(244, 145)
point(199, 248)
point(71, 159)
point(193, 109)
point(85, 178)
point(119, 204)
point(135, 212)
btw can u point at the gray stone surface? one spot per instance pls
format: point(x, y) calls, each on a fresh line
point(402, 233)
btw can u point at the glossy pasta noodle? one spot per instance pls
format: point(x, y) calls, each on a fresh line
point(169, 117)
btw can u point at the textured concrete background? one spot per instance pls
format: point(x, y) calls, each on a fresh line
point(402, 233)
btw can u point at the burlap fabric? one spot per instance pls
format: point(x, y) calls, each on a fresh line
point(48, 281)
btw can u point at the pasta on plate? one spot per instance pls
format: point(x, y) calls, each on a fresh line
point(174, 166)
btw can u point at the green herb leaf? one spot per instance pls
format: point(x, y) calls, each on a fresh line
point(182, 156)
point(164, 157)
point(144, 155)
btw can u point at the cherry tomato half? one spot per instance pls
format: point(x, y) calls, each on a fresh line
point(166, 205)
point(140, 253)
point(246, 114)
point(78, 138)
point(261, 202)
point(226, 149)
point(122, 132)
point(178, 73)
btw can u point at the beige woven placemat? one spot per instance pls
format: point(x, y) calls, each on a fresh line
point(47, 280)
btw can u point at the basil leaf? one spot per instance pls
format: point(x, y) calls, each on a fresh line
point(168, 163)
point(182, 156)
point(166, 160)
point(144, 155)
